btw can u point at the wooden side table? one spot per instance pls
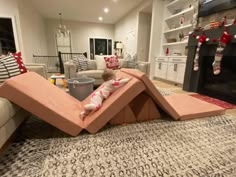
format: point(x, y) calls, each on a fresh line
point(54, 77)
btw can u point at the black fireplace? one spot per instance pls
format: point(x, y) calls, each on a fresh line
point(222, 86)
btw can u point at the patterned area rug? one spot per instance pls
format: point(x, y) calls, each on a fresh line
point(201, 147)
point(215, 101)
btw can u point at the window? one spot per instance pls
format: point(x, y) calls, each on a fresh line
point(100, 47)
point(7, 41)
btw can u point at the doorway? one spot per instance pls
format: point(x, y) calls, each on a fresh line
point(144, 32)
point(7, 39)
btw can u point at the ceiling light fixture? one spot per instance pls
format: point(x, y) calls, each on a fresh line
point(106, 10)
point(62, 30)
point(100, 18)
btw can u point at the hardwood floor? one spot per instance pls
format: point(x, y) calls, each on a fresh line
point(178, 89)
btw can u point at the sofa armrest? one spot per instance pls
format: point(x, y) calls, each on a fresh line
point(143, 66)
point(69, 70)
point(39, 68)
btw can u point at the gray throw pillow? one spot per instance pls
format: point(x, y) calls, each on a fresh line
point(81, 62)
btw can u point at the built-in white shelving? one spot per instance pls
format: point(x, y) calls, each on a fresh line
point(172, 56)
point(171, 62)
point(172, 3)
point(175, 43)
point(176, 3)
point(179, 28)
point(185, 11)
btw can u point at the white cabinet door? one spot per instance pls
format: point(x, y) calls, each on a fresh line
point(160, 70)
point(171, 73)
point(180, 72)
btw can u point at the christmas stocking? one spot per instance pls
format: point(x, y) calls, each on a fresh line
point(224, 40)
point(201, 40)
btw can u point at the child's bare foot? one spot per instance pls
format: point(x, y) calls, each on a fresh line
point(82, 115)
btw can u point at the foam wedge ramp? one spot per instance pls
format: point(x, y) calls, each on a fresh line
point(115, 104)
point(48, 102)
point(178, 106)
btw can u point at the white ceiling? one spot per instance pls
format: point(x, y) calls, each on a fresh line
point(86, 10)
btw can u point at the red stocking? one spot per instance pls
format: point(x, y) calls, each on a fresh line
point(224, 40)
point(201, 40)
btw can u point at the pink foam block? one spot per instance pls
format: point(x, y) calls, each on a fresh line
point(179, 106)
point(48, 102)
point(114, 104)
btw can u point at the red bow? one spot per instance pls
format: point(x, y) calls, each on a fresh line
point(202, 38)
point(225, 38)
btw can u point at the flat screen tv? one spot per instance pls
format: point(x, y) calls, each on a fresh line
point(208, 7)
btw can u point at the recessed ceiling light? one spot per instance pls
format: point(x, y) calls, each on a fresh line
point(100, 18)
point(106, 10)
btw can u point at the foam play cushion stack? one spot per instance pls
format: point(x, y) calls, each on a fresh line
point(51, 104)
point(135, 101)
point(179, 106)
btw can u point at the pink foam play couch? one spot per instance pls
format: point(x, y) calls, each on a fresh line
point(135, 101)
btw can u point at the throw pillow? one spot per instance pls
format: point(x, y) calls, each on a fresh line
point(100, 62)
point(130, 61)
point(11, 66)
point(81, 62)
point(112, 62)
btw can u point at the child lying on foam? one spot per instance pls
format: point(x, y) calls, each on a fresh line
point(109, 86)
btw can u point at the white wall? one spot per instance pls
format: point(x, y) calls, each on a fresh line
point(80, 34)
point(155, 39)
point(126, 30)
point(33, 30)
point(29, 27)
point(144, 31)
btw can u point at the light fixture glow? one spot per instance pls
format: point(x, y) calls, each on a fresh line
point(106, 10)
point(62, 30)
point(100, 18)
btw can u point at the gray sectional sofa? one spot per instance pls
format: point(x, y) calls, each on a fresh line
point(96, 68)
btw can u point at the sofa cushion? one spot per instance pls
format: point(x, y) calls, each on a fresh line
point(7, 110)
point(92, 65)
point(11, 66)
point(96, 74)
point(100, 61)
